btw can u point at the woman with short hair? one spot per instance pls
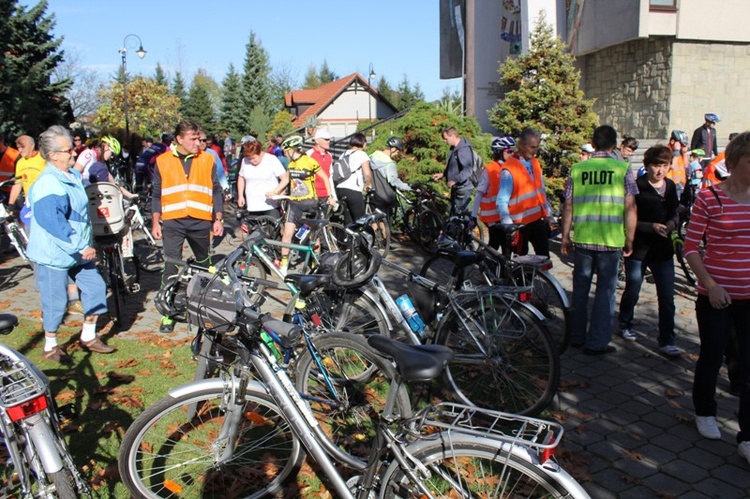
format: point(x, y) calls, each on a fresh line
point(259, 176)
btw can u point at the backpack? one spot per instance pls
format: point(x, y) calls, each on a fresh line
point(384, 192)
point(477, 165)
point(341, 169)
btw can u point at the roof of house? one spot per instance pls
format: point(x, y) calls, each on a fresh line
point(321, 97)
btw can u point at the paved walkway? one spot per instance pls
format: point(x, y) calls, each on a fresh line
point(628, 415)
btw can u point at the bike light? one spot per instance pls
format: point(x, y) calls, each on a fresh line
point(524, 297)
point(28, 408)
point(547, 266)
point(316, 320)
point(549, 451)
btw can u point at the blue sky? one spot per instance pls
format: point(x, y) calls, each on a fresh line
point(397, 37)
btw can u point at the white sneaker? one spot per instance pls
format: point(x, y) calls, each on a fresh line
point(670, 351)
point(708, 428)
point(629, 335)
point(744, 450)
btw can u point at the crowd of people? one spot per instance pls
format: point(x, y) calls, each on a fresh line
point(610, 214)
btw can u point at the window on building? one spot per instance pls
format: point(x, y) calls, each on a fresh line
point(663, 4)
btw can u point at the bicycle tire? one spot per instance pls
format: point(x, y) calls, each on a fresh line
point(266, 455)
point(253, 268)
point(150, 255)
point(361, 378)
point(546, 298)
point(351, 311)
point(477, 467)
point(679, 252)
point(64, 484)
point(114, 285)
point(429, 225)
point(268, 225)
point(520, 371)
point(382, 231)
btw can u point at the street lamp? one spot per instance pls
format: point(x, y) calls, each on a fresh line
point(123, 52)
point(370, 77)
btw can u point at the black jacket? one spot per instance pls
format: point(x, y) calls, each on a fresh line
point(652, 208)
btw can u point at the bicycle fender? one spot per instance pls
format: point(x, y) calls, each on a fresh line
point(532, 309)
point(558, 287)
point(375, 300)
point(217, 384)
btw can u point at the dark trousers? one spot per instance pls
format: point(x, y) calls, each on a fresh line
point(663, 272)
point(355, 203)
point(537, 234)
point(713, 327)
point(197, 233)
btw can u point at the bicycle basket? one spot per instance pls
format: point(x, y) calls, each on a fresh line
point(211, 303)
point(106, 211)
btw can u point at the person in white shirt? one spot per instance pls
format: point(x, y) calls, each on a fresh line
point(359, 181)
point(260, 173)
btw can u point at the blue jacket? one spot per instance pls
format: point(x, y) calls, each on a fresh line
point(60, 227)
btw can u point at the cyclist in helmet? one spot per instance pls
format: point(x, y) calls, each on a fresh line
point(303, 197)
point(678, 142)
point(146, 161)
point(704, 137)
point(383, 163)
point(485, 201)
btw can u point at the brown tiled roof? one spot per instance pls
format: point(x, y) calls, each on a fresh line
point(321, 97)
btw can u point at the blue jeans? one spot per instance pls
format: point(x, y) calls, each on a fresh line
point(53, 286)
point(604, 264)
point(663, 272)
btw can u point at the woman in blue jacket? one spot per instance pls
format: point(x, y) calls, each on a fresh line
point(60, 244)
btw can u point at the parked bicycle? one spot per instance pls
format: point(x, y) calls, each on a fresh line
point(38, 463)
point(248, 437)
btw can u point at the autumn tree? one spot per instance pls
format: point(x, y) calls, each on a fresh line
point(151, 107)
point(312, 78)
point(30, 98)
point(544, 94)
point(282, 123)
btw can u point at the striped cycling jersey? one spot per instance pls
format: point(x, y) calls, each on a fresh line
point(726, 225)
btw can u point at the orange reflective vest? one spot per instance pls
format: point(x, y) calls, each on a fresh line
point(488, 204)
point(677, 172)
point(528, 202)
point(8, 166)
point(182, 196)
point(709, 175)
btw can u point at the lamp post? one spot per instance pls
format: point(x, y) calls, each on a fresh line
point(123, 52)
point(370, 76)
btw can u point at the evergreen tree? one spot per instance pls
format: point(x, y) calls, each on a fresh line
point(408, 96)
point(199, 106)
point(231, 117)
point(312, 78)
point(326, 75)
point(178, 90)
point(544, 95)
point(283, 81)
point(384, 88)
point(30, 100)
point(256, 81)
point(160, 76)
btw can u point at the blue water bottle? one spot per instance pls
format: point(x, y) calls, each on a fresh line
point(410, 313)
point(302, 232)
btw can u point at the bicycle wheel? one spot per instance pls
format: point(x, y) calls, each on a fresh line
point(428, 227)
point(505, 357)
point(350, 311)
point(361, 379)
point(164, 454)
point(464, 466)
point(64, 484)
point(150, 252)
point(268, 225)
point(113, 268)
point(547, 299)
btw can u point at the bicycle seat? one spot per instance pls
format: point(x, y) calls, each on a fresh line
point(308, 283)
point(510, 228)
point(7, 323)
point(462, 258)
point(414, 362)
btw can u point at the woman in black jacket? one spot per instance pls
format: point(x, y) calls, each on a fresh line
point(657, 218)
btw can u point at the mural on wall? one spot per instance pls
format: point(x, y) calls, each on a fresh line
point(574, 11)
point(510, 25)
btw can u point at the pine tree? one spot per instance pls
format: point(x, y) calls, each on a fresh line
point(312, 78)
point(544, 95)
point(384, 89)
point(326, 75)
point(256, 81)
point(30, 101)
point(199, 106)
point(408, 96)
point(232, 118)
point(160, 76)
point(178, 90)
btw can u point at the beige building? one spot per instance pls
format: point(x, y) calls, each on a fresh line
point(651, 65)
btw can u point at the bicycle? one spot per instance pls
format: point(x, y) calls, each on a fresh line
point(248, 437)
point(148, 251)
point(420, 219)
point(503, 269)
point(38, 462)
point(11, 228)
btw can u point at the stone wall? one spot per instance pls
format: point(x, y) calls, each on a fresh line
point(631, 85)
point(710, 78)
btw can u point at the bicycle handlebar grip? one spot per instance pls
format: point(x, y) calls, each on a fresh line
point(288, 333)
point(176, 261)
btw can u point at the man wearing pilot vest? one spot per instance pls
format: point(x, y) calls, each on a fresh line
point(187, 201)
point(600, 209)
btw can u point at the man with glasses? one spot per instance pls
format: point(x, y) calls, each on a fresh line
point(319, 152)
point(187, 199)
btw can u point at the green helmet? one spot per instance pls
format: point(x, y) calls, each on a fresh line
point(113, 143)
point(292, 142)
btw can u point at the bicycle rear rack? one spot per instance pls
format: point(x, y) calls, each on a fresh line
point(19, 383)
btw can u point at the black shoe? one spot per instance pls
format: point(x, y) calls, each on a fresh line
point(576, 345)
point(604, 351)
point(166, 327)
